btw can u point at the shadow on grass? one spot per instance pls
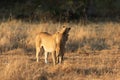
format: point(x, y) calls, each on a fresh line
point(79, 71)
point(92, 43)
point(95, 71)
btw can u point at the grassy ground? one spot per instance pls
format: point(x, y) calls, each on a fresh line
point(92, 52)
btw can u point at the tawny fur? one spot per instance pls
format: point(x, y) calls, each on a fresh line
point(50, 43)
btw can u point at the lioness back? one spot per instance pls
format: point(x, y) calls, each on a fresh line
point(46, 40)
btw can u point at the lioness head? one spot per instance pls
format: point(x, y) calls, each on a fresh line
point(66, 34)
point(64, 30)
point(62, 35)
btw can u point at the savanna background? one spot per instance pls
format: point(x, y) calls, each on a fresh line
point(92, 50)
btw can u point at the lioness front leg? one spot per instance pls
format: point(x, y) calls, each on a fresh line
point(58, 55)
point(60, 59)
point(54, 57)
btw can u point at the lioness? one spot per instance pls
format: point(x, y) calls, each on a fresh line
point(50, 43)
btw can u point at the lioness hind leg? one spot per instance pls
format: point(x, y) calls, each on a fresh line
point(37, 53)
point(46, 57)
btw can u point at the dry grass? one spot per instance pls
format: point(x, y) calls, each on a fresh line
point(92, 52)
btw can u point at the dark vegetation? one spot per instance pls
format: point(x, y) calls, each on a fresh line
point(59, 10)
point(92, 51)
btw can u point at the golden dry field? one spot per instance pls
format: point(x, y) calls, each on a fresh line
point(92, 52)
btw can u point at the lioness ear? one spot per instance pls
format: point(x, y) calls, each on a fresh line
point(69, 28)
point(64, 26)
